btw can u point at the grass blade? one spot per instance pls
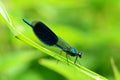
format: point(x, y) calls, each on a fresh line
point(115, 70)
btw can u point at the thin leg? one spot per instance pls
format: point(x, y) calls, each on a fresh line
point(75, 59)
point(67, 58)
point(60, 54)
point(78, 62)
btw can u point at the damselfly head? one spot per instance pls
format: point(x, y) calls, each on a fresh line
point(80, 54)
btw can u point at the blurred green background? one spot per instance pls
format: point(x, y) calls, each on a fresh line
point(91, 26)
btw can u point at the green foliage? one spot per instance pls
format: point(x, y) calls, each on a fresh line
point(82, 72)
point(115, 70)
point(92, 27)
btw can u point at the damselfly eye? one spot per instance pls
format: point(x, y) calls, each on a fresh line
point(80, 54)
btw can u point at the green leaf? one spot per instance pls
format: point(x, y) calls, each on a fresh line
point(115, 70)
point(16, 59)
point(73, 71)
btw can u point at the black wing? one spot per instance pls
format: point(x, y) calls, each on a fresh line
point(46, 35)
